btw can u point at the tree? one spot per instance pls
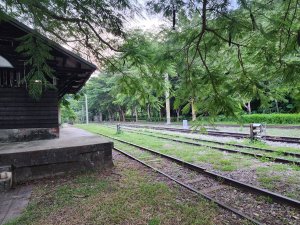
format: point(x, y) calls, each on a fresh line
point(253, 52)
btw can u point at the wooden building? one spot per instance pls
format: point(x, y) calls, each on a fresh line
point(22, 117)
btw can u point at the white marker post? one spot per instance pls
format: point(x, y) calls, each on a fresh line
point(167, 86)
point(86, 110)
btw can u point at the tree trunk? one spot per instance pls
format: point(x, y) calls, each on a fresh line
point(136, 114)
point(109, 116)
point(160, 115)
point(249, 107)
point(277, 108)
point(119, 114)
point(132, 114)
point(100, 116)
point(148, 112)
point(168, 110)
point(193, 110)
point(178, 114)
point(123, 115)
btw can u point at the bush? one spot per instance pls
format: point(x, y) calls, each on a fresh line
point(272, 118)
point(275, 118)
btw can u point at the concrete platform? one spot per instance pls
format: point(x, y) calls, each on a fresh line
point(74, 150)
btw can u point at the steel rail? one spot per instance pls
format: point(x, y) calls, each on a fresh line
point(224, 206)
point(275, 196)
point(274, 159)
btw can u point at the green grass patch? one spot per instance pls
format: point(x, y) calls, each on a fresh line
point(274, 176)
point(134, 198)
point(194, 154)
point(81, 187)
point(278, 152)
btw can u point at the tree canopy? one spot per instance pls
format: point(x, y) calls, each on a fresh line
point(221, 56)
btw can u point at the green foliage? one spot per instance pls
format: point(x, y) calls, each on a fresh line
point(220, 57)
point(67, 114)
point(275, 118)
point(40, 74)
point(244, 53)
point(93, 28)
point(272, 118)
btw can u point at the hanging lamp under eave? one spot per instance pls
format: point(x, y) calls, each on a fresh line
point(4, 63)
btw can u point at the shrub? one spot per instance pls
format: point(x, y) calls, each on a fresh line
point(272, 118)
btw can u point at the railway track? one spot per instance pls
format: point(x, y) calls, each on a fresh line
point(293, 154)
point(219, 133)
point(257, 205)
point(256, 155)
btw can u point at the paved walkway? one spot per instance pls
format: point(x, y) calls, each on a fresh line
point(13, 202)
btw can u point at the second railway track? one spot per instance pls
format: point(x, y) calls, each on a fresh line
point(256, 155)
point(293, 140)
point(257, 205)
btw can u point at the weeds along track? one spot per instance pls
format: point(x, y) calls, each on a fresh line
point(257, 205)
point(219, 133)
point(242, 216)
point(293, 154)
point(295, 161)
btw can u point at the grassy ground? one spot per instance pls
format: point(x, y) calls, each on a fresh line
point(259, 144)
point(219, 160)
point(128, 194)
point(271, 176)
point(242, 128)
point(278, 150)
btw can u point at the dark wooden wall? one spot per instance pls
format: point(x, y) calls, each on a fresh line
point(18, 110)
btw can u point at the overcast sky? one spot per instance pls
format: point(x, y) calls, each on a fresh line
point(152, 22)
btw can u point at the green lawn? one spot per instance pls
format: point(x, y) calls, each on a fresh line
point(129, 195)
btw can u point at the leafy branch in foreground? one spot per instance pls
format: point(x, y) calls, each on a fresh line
point(95, 26)
point(40, 75)
point(238, 53)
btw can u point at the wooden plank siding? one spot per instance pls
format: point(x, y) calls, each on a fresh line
point(19, 110)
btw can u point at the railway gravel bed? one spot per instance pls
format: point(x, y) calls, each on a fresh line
point(218, 143)
point(243, 200)
point(268, 175)
point(253, 205)
point(287, 157)
point(222, 217)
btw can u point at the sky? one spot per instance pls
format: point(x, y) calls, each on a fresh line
point(152, 22)
point(145, 21)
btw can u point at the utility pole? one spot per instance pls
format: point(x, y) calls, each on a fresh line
point(86, 110)
point(167, 85)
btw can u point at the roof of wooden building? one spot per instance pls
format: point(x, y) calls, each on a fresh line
point(71, 70)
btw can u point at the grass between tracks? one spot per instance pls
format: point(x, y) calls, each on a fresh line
point(278, 153)
point(189, 153)
point(125, 195)
point(280, 178)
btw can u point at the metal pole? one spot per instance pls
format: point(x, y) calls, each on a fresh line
point(86, 110)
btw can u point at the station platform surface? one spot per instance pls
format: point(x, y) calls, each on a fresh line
point(75, 149)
